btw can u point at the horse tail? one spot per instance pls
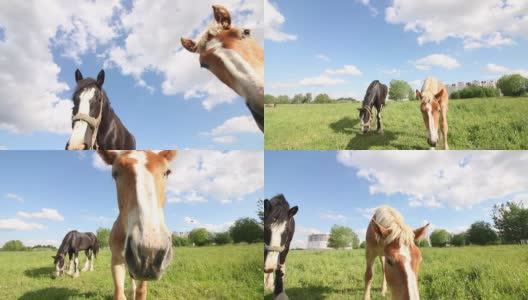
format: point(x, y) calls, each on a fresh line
point(96, 248)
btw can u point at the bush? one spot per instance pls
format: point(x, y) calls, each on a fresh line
point(247, 230)
point(342, 237)
point(200, 236)
point(103, 237)
point(400, 90)
point(423, 243)
point(363, 245)
point(223, 238)
point(178, 241)
point(475, 92)
point(15, 245)
point(481, 233)
point(440, 238)
point(459, 240)
point(513, 85)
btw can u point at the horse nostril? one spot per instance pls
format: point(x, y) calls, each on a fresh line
point(85, 146)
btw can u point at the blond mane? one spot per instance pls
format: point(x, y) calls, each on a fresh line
point(430, 87)
point(391, 219)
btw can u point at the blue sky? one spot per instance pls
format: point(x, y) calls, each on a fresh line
point(76, 191)
point(373, 39)
point(156, 88)
point(450, 191)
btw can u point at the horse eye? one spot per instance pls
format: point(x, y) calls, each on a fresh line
point(167, 173)
point(389, 261)
point(247, 32)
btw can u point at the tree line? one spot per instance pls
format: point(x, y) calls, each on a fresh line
point(304, 99)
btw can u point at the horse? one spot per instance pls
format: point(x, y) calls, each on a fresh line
point(393, 241)
point(72, 243)
point(375, 97)
point(95, 124)
point(235, 58)
point(139, 241)
point(434, 103)
point(279, 227)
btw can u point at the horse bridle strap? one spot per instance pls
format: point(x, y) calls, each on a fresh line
point(273, 248)
point(92, 122)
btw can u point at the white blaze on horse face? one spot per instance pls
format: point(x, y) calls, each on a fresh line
point(248, 83)
point(433, 133)
point(412, 284)
point(80, 127)
point(277, 229)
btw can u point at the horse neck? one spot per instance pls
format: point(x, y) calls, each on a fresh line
point(108, 116)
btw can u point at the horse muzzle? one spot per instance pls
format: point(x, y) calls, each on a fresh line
point(146, 261)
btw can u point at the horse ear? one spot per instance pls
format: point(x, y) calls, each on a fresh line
point(222, 16)
point(267, 205)
point(293, 211)
point(188, 44)
point(382, 231)
point(78, 75)
point(437, 96)
point(100, 78)
point(419, 233)
point(418, 94)
point(108, 156)
point(168, 154)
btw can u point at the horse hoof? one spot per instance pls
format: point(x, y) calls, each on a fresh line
point(282, 296)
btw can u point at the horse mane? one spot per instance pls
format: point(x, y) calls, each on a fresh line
point(279, 201)
point(213, 29)
point(372, 89)
point(89, 82)
point(65, 245)
point(390, 218)
point(430, 87)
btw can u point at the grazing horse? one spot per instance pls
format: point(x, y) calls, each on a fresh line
point(95, 124)
point(375, 97)
point(393, 241)
point(279, 227)
point(235, 58)
point(435, 101)
point(140, 241)
point(72, 243)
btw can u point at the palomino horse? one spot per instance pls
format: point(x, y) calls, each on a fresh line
point(235, 58)
point(393, 241)
point(279, 227)
point(72, 243)
point(375, 97)
point(95, 124)
point(435, 101)
point(140, 240)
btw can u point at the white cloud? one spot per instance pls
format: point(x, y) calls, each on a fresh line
point(478, 23)
point(273, 21)
point(346, 70)
point(437, 60)
point(457, 179)
point(31, 243)
point(225, 133)
point(504, 70)
point(416, 84)
point(3, 148)
point(15, 197)
point(224, 176)
point(367, 213)
point(218, 227)
point(395, 72)
point(321, 81)
point(300, 238)
point(44, 214)
point(29, 77)
point(99, 164)
point(366, 3)
point(521, 199)
point(190, 220)
point(335, 217)
point(227, 139)
point(323, 57)
point(15, 224)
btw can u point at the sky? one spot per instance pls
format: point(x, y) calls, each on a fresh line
point(45, 194)
point(156, 87)
point(339, 49)
point(450, 190)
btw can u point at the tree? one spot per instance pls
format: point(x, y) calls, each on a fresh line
point(270, 99)
point(223, 238)
point(322, 98)
point(260, 211)
point(481, 233)
point(179, 241)
point(363, 245)
point(200, 236)
point(15, 245)
point(399, 90)
point(459, 239)
point(103, 237)
point(440, 238)
point(342, 237)
point(512, 85)
point(423, 243)
point(247, 230)
point(308, 98)
point(511, 220)
point(298, 98)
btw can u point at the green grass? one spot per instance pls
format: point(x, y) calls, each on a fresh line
point(493, 272)
point(227, 272)
point(490, 123)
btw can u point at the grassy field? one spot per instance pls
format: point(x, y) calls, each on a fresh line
point(491, 123)
point(493, 272)
point(227, 272)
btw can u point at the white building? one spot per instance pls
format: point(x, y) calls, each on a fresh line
point(182, 234)
point(318, 241)
point(453, 87)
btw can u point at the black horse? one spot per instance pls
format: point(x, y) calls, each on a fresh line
point(279, 227)
point(95, 124)
point(72, 243)
point(375, 96)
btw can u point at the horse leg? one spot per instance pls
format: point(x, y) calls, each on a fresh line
point(118, 274)
point(378, 117)
point(76, 274)
point(87, 262)
point(70, 271)
point(384, 282)
point(133, 288)
point(368, 275)
point(91, 261)
point(268, 281)
point(444, 130)
point(141, 290)
point(279, 292)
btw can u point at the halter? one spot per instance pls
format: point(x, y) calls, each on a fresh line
point(92, 122)
point(273, 248)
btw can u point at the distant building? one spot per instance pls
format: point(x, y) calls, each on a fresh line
point(182, 234)
point(454, 87)
point(318, 241)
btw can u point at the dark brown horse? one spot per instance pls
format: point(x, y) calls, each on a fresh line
point(72, 243)
point(375, 97)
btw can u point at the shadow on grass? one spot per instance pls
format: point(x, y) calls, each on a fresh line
point(367, 140)
point(319, 292)
point(56, 293)
point(346, 125)
point(44, 272)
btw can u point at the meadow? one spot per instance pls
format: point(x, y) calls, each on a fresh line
point(222, 272)
point(488, 123)
point(491, 272)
